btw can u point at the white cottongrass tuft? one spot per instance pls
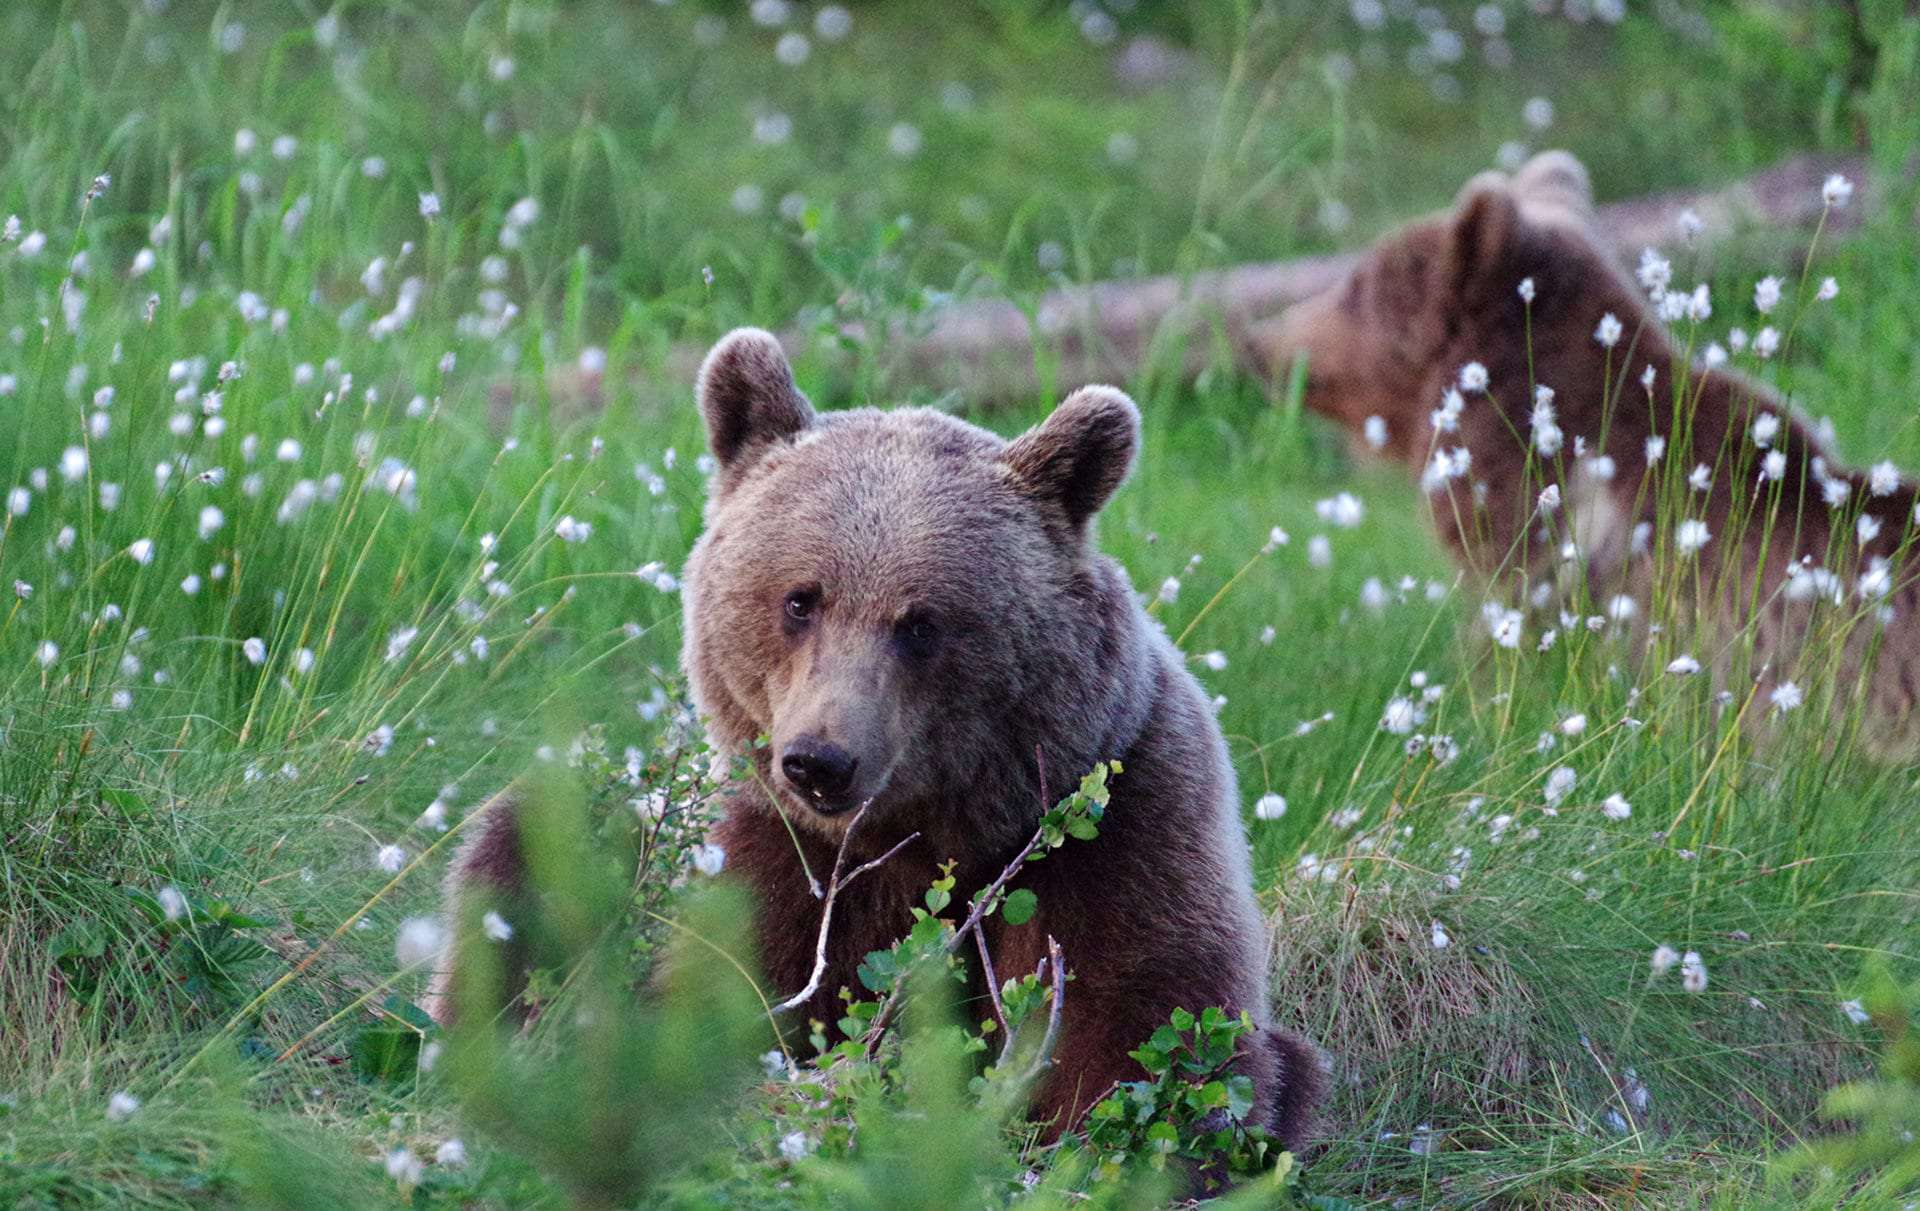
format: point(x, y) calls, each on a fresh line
point(709, 860)
point(495, 927)
point(1269, 807)
point(1693, 972)
point(1837, 191)
point(1664, 957)
point(1683, 666)
point(1616, 807)
point(1437, 935)
point(419, 940)
point(1560, 784)
point(1786, 696)
point(1690, 535)
point(255, 649)
point(172, 903)
point(122, 1106)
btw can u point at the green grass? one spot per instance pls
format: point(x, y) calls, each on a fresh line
point(263, 790)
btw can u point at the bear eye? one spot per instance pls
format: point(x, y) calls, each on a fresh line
point(917, 634)
point(798, 608)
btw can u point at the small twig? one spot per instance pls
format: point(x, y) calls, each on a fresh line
point(1043, 1059)
point(993, 985)
point(835, 885)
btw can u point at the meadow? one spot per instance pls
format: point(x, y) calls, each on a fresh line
point(311, 543)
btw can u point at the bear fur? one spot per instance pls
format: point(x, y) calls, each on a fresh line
point(913, 612)
point(1391, 340)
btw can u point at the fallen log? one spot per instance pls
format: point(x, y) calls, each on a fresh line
point(986, 352)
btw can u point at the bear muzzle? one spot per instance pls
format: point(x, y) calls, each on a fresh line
point(820, 774)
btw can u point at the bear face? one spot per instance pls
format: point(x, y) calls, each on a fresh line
point(879, 593)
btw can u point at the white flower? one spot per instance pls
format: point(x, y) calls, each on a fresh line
point(1215, 660)
point(1774, 465)
point(1573, 725)
point(1766, 294)
point(1856, 1012)
point(1319, 551)
point(1829, 290)
point(1836, 191)
point(1473, 377)
point(255, 649)
point(1375, 430)
point(390, 858)
point(1690, 535)
point(141, 551)
point(1437, 935)
point(1647, 378)
point(1786, 696)
point(1401, 716)
point(211, 519)
point(122, 1106)
point(1506, 626)
point(495, 927)
point(419, 940)
point(1655, 272)
point(47, 653)
point(1609, 330)
point(1664, 957)
point(1767, 343)
point(904, 140)
point(1616, 807)
point(1700, 479)
point(404, 1167)
point(1549, 498)
point(709, 860)
point(452, 1154)
point(1693, 972)
point(1683, 666)
point(1884, 479)
point(1656, 446)
point(172, 903)
point(1766, 427)
point(1169, 590)
point(1276, 538)
point(795, 1146)
point(1559, 784)
point(571, 530)
point(1868, 528)
point(1269, 807)
point(399, 641)
point(1344, 510)
point(1525, 289)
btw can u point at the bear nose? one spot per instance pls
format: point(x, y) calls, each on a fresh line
point(821, 771)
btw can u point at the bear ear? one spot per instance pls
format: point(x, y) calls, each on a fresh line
point(1556, 178)
point(1078, 456)
point(1483, 224)
point(747, 396)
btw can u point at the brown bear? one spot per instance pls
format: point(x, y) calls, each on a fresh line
point(1572, 447)
point(913, 611)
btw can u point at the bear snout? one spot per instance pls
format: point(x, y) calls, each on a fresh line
point(821, 772)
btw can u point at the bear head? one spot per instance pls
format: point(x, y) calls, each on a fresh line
point(1382, 346)
point(905, 605)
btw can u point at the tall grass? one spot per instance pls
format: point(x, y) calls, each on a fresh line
point(305, 563)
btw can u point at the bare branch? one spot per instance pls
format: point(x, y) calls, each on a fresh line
point(835, 886)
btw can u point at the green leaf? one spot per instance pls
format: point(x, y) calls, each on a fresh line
point(1019, 906)
point(384, 1053)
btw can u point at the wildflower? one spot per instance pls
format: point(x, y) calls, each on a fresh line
point(303, 660)
point(1700, 304)
point(399, 641)
point(1267, 635)
point(390, 858)
point(904, 140)
point(1884, 479)
point(452, 1154)
point(1836, 191)
point(211, 519)
point(1766, 427)
point(1655, 272)
point(709, 860)
point(1375, 430)
point(1683, 666)
point(1269, 807)
point(1550, 498)
point(1401, 716)
point(47, 653)
point(1573, 725)
point(571, 530)
point(1829, 290)
point(1767, 343)
point(1505, 625)
point(1647, 377)
point(1664, 957)
point(255, 649)
point(1700, 479)
point(1622, 607)
point(1560, 784)
point(1868, 528)
point(1319, 551)
point(495, 927)
point(1616, 807)
point(1169, 590)
point(1766, 294)
point(1276, 538)
point(1856, 1012)
point(1656, 446)
point(419, 940)
point(404, 1167)
point(1774, 465)
point(122, 1106)
point(141, 551)
point(1446, 418)
point(172, 903)
point(1473, 377)
point(1786, 696)
point(1344, 510)
point(1437, 935)
point(1690, 535)
point(1525, 290)
point(1609, 331)
point(1693, 972)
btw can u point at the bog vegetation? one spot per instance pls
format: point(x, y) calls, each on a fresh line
point(310, 542)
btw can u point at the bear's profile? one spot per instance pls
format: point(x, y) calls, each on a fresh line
point(1589, 399)
point(913, 611)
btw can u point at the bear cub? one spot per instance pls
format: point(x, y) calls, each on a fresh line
point(913, 611)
